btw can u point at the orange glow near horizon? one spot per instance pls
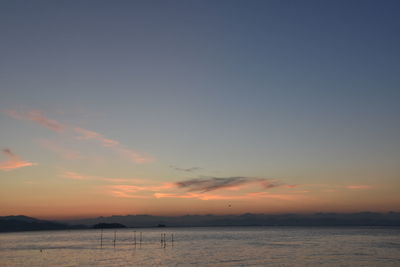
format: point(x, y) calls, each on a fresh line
point(63, 192)
point(92, 196)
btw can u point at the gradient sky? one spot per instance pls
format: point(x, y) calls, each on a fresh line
point(178, 107)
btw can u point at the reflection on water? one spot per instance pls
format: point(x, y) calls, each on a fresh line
point(235, 246)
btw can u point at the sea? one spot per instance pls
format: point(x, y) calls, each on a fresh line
point(208, 246)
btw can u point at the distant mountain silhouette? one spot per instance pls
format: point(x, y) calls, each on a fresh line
point(108, 225)
point(25, 223)
point(21, 218)
point(316, 219)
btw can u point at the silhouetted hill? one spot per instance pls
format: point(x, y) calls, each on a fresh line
point(21, 218)
point(317, 219)
point(24, 223)
point(108, 225)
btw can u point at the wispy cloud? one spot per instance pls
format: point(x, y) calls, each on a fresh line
point(122, 194)
point(216, 183)
point(201, 189)
point(79, 176)
point(136, 191)
point(132, 155)
point(13, 161)
point(336, 188)
point(85, 134)
point(191, 169)
point(37, 117)
point(130, 185)
point(82, 134)
point(358, 187)
point(114, 145)
point(201, 196)
point(248, 196)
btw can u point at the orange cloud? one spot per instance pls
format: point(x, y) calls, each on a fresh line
point(37, 117)
point(217, 196)
point(126, 195)
point(136, 191)
point(249, 196)
point(136, 188)
point(13, 162)
point(203, 189)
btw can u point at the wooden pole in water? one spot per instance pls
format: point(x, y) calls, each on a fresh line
point(101, 238)
point(172, 239)
point(134, 237)
point(140, 238)
point(165, 242)
point(115, 237)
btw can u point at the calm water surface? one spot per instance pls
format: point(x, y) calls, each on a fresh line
point(235, 246)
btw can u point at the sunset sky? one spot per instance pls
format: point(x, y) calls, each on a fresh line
point(199, 107)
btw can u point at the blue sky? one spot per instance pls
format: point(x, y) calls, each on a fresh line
point(305, 92)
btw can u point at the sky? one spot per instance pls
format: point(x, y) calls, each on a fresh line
point(199, 107)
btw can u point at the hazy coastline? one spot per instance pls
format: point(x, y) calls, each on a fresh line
point(361, 219)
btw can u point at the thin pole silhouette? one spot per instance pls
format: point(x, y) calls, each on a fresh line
point(101, 238)
point(165, 242)
point(115, 237)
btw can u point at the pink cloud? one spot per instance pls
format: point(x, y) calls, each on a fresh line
point(136, 188)
point(114, 145)
point(133, 155)
point(13, 161)
point(248, 196)
point(37, 117)
point(143, 190)
point(87, 135)
point(83, 134)
point(132, 184)
point(228, 189)
point(128, 188)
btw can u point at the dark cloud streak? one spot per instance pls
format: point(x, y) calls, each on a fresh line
point(191, 169)
point(214, 183)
